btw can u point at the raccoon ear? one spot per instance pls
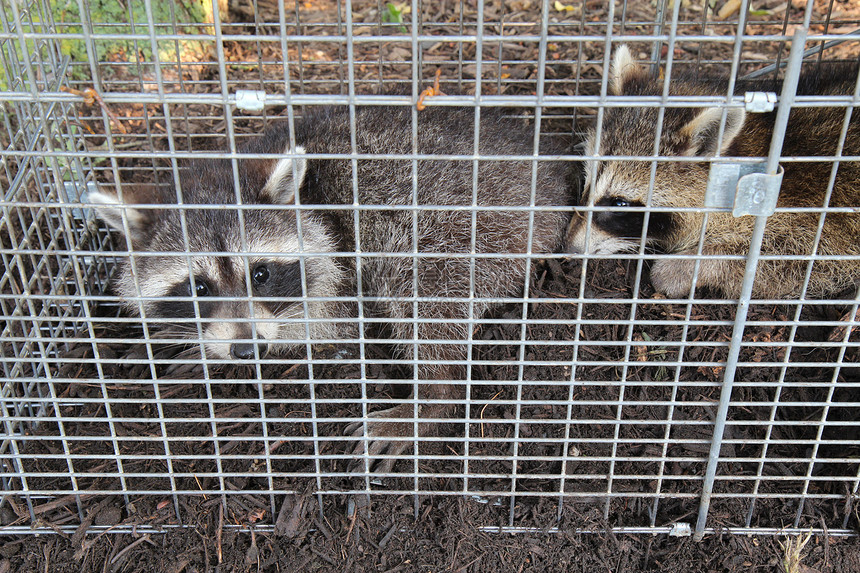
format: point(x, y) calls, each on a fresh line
point(624, 70)
point(705, 128)
point(280, 188)
point(112, 211)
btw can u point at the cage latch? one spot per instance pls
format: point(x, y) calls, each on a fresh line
point(250, 100)
point(743, 187)
point(759, 102)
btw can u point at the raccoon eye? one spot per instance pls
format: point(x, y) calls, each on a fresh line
point(200, 288)
point(260, 275)
point(620, 202)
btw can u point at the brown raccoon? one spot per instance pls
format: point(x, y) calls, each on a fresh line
point(418, 243)
point(621, 187)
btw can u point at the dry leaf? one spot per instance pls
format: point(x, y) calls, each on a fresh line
point(729, 9)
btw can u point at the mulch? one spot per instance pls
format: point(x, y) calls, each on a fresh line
point(255, 531)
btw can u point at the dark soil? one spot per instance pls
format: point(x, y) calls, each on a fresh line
point(447, 535)
point(257, 531)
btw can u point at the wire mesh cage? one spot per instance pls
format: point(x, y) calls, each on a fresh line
point(584, 393)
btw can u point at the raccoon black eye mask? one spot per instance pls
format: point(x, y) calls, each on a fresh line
point(183, 306)
point(282, 281)
point(678, 188)
point(388, 284)
point(628, 222)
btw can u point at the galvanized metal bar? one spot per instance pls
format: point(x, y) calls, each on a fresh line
point(781, 122)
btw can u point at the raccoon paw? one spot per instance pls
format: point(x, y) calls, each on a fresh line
point(379, 430)
point(673, 277)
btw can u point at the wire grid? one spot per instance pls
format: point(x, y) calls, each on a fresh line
point(585, 404)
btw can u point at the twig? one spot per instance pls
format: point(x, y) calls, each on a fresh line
point(220, 531)
point(129, 547)
point(481, 416)
point(60, 502)
point(839, 332)
point(434, 91)
point(324, 557)
point(46, 551)
point(91, 96)
point(352, 520)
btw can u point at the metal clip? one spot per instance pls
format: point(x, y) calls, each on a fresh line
point(250, 100)
point(743, 187)
point(757, 194)
point(759, 102)
point(680, 529)
point(74, 195)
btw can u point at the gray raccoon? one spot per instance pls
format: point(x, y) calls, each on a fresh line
point(442, 236)
point(687, 132)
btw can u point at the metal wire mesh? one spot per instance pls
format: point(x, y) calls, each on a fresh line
point(590, 397)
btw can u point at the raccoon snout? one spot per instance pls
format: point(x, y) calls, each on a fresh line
point(245, 350)
point(575, 240)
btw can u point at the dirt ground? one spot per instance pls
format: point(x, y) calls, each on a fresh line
point(447, 536)
point(441, 533)
point(451, 532)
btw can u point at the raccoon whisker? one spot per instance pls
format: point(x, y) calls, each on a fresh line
point(281, 311)
point(173, 352)
point(185, 349)
point(172, 345)
point(189, 353)
point(177, 331)
point(166, 335)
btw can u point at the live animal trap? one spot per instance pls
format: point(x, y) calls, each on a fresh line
point(582, 390)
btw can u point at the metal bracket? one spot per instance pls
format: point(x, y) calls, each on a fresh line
point(74, 195)
point(250, 100)
point(743, 187)
point(759, 102)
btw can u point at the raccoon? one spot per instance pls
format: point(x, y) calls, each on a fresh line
point(419, 243)
point(622, 187)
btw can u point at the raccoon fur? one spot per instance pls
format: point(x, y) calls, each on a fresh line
point(622, 187)
point(228, 264)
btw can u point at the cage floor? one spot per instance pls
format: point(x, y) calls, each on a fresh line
point(447, 536)
point(239, 466)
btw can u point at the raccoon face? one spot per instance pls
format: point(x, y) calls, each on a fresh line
point(618, 195)
point(617, 190)
point(235, 282)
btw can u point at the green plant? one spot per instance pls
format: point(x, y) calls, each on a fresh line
point(393, 14)
point(658, 353)
point(112, 17)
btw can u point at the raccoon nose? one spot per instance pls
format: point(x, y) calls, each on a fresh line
point(245, 350)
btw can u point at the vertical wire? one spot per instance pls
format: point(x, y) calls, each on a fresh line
point(312, 384)
point(583, 276)
point(786, 98)
point(356, 205)
point(521, 353)
point(413, 164)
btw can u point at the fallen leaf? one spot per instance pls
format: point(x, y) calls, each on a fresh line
point(256, 515)
point(729, 9)
point(559, 7)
